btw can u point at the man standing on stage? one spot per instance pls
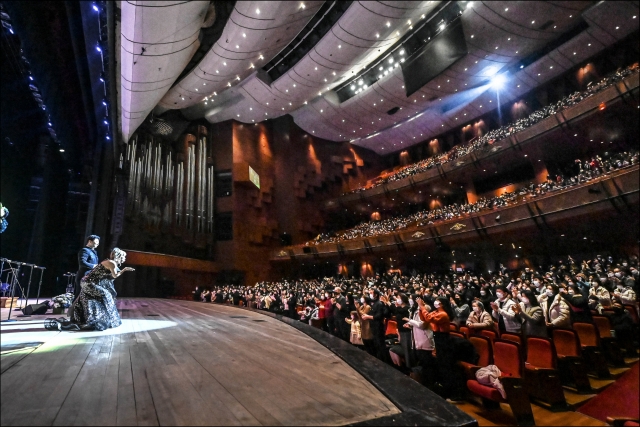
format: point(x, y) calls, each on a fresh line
point(87, 259)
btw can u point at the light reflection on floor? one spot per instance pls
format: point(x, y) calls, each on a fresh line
point(15, 334)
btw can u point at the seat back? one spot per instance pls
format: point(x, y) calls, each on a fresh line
point(464, 330)
point(604, 326)
point(587, 333)
point(512, 337)
point(541, 353)
point(453, 327)
point(456, 334)
point(566, 342)
point(392, 328)
point(492, 335)
point(484, 349)
point(632, 312)
point(506, 356)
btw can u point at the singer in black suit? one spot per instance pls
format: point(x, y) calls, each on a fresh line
point(87, 259)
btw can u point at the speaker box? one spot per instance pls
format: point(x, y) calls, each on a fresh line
point(35, 309)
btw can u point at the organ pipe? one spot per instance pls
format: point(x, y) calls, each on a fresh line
point(171, 189)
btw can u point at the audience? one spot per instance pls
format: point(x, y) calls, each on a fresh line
point(589, 169)
point(488, 139)
point(529, 301)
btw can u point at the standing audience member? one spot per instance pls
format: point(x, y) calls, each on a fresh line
point(530, 314)
point(555, 310)
point(503, 312)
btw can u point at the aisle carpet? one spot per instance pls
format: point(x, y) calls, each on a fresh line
point(620, 399)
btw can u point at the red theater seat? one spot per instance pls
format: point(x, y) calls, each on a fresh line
point(591, 348)
point(541, 374)
point(571, 365)
point(608, 342)
point(512, 337)
point(464, 330)
point(507, 358)
point(392, 328)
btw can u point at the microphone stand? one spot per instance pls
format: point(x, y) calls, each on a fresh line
point(26, 299)
point(40, 284)
point(14, 280)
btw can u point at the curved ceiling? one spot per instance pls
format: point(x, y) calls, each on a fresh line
point(255, 33)
point(158, 39)
point(499, 35)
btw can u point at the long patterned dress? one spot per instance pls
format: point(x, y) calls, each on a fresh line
point(96, 305)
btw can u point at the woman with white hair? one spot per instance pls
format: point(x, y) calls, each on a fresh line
point(95, 308)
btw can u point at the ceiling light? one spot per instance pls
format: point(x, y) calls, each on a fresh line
point(472, 36)
point(339, 46)
point(258, 11)
point(244, 35)
point(388, 24)
point(62, 150)
point(261, 57)
point(237, 47)
point(506, 9)
point(353, 87)
point(442, 26)
point(302, 6)
point(390, 60)
point(377, 35)
point(533, 22)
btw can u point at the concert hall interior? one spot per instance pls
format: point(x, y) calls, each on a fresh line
point(323, 213)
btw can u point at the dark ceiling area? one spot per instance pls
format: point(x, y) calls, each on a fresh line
point(46, 43)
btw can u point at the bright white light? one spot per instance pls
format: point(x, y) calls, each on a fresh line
point(402, 52)
point(353, 87)
point(390, 60)
point(442, 26)
point(258, 11)
point(360, 82)
point(498, 81)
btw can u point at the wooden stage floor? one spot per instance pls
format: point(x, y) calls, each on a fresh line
point(179, 363)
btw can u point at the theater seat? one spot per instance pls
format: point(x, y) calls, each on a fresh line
point(609, 344)
point(464, 330)
point(507, 358)
point(571, 364)
point(492, 335)
point(591, 349)
point(512, 337)
point(541, 375)
point(392, 329)
point(632, 312)
point(485, 352)
point(453, 326)
point(456, 334)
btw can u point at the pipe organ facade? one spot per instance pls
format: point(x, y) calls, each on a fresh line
point(171, 189)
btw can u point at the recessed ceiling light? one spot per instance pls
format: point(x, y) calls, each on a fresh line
point(472, 36)
point(244, 35)
point(388, 24)
point(533, 22)
point(506, 9)
point(258, 11)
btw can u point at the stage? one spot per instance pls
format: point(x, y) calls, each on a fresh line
point(185, 363)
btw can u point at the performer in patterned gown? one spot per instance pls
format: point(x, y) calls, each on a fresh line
point(95, 308)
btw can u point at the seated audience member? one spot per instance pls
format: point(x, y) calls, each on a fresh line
point(479, 318)
point(503, 312)
point(206, 295)
point(555, 310)
point(530, 314)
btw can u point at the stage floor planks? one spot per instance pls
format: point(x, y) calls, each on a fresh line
point(179, 363)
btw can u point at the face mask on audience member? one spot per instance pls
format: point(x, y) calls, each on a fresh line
point(617, 274)
point(524, 299)
point(476, 309)
point(549, 293)
point(483, 293)
point(571, 292)
point(362, 300)
point(436, 304)
point(500, 295)
point(536, 283)
point(620, 286)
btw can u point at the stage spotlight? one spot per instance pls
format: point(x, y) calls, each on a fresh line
point(498, 81)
